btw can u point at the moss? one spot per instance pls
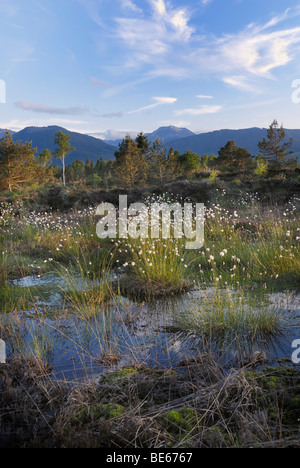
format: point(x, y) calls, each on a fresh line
point(111, 410)
point(91, 414)
point(281, 389)
point(182, 421)
point(120, 375)
point(126, 373)
point(272, 382)
point(251, 375)
point(285, 361)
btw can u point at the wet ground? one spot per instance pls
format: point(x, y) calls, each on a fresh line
point(125, 333)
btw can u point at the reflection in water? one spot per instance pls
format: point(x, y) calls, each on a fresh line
point(161, 333)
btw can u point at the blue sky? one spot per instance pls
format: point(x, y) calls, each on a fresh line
point(129, 65)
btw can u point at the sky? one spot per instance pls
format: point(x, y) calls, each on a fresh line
point(107, 67)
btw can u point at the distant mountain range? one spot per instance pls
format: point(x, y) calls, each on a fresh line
point(210, 143)
point(85, 145)
point(165, 134)
point(180, 139)
point(2, 131)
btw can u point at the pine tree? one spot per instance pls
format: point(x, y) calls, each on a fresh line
point(131, 164)
point(274, 149)
point(232, 156)
point(18, 165)
point(143, 144)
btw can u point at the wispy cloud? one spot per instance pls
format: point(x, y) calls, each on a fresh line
point(158, 102)
point(130, 5)
point(202, 110)
point(44, 109)
point(259, 53)
point(93, 8)
point(241, 82)
point(203, 96)
point(166, 40)
point(177, 18)
point(17, 125)
point(148, 35)
point(95, 82)
point(112, 115)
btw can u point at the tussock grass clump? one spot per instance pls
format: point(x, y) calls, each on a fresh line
point(149, 290)
point(154, 269)
point(87, 285)
point(15, 298)
point(229, 314)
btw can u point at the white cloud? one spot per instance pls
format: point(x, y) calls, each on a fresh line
point(164, 100)
point(153, 35)
point(17, 125)
point(177, 18)
point(159, 6)
point(180, 21)
point(202, 110)
point(113, 134)
point(158, 102)
point(145, 39)
point(203, 96)
point(258, 52)
point(163, 41)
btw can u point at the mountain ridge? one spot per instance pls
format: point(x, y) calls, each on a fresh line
point(204, 143)
point(212, 142)
point(165, 134)
point(85, 145)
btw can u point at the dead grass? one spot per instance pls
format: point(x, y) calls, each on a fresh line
point(194, 406)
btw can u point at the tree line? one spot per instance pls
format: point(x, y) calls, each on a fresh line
point(138, 162)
